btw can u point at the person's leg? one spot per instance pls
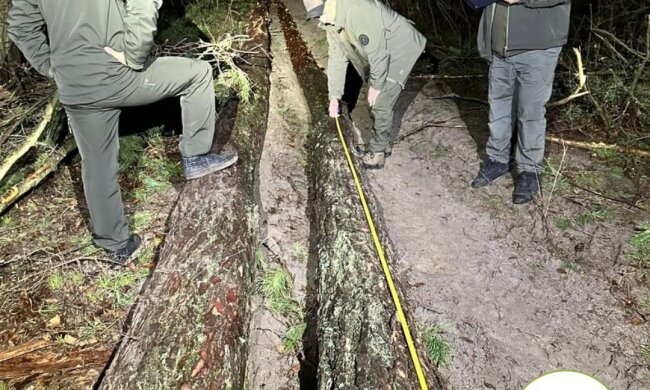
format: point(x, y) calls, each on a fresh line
point(96, 133)
point(191, 80)
point(535, 74)
point(501, 89)
point(383, 111)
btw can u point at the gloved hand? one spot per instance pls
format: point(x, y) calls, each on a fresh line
point(334, 108)
point(372, 96)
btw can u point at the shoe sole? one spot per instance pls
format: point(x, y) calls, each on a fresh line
point(215, 168)
point(489, 181)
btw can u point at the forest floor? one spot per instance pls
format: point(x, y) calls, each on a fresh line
point(502, 293)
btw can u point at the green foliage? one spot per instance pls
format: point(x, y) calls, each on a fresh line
point(437, 345)
point(277, 287)
point(562, 223)
point(293, 337)
point(77, 279)
point(589, 217)
point(440, 150)
point(131, 150)
point(178, 30)
point(142, 220)
point(56, 281)
point(115, 287)
point(640, 244)
point(645, 354)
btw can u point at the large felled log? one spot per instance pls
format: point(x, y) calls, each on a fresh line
point(360, 344)
point(188, 329)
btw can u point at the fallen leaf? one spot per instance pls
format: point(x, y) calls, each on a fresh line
point(280, 348)
point(636, 321)
point(561, 270)
point(54, 322)
point(418, 284)
point(70, 340)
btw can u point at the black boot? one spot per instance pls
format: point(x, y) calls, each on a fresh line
point(489, 172)
point(123, 256)
point(526, 186)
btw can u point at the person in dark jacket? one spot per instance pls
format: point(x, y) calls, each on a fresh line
point(522, 39)
point(382, 46)
point(97, 53)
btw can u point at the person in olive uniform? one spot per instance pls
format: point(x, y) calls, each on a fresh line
point(97, 53)
point(522, 39)
point(383, 47)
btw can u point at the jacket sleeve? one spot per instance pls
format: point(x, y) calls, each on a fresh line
point(543, 3)
point(337, 65)
point(26, 28)
point(140, 27)
point(372, 37)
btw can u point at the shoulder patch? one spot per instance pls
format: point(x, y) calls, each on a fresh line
point(364, 40)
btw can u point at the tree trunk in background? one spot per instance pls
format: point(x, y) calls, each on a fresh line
point(9, 54)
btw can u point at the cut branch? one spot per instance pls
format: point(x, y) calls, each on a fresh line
point(52, 160)
point(581, 89)
point(600, 146)
point(32, 139)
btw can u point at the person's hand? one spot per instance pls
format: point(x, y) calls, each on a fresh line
point(118, 55)
point(334, 108)
point(372, 96)
point(512, 1)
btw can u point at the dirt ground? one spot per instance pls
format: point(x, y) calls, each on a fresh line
point(516, 295)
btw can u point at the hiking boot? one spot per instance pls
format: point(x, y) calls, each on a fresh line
point(489, 172)
point(359, 150)
point(373, 160)
point(123, 256)
point(526, 186)
point(388, 151)
point(197, 166)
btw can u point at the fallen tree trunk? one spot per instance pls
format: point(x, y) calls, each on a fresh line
point(359, 340)
point(188, 329)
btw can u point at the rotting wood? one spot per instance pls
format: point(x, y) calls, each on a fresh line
point(25, 348)
point(51, 363)
point(188, 329)
point(359, 341)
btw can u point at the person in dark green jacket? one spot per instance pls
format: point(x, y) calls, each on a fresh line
point(97, 52)
point(382, 45)
point(522, 39)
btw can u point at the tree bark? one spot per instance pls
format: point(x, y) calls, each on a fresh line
point(359, 340)
point(9, 55)
point(189, 328)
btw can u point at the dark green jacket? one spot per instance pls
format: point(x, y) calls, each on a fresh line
point(531, 25)
point(381, 44)
point(77, 32)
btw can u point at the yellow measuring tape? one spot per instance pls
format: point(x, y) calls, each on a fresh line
point(384, 264)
